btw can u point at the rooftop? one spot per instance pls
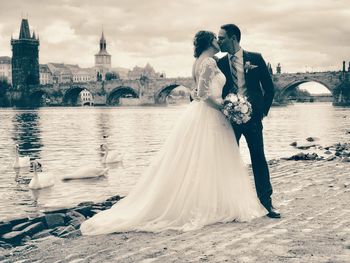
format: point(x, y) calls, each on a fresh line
point(5, 60)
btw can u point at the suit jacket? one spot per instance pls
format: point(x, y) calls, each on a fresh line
point(258, 82)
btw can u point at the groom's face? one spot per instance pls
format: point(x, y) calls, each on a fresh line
point(225, 43)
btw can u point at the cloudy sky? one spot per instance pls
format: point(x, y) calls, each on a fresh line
point(300, 34)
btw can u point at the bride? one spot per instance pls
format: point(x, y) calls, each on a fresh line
point(198, 178)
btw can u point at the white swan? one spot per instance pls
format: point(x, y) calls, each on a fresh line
point(86, 173)
point(110, 156)
point(19, 162)
point(40, 180)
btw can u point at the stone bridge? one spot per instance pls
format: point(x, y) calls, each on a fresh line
point(148, 91)
point(155, 91)
point(337, 82)
point(334, 81)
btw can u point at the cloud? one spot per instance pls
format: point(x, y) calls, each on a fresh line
point(58, 32)
point(298, 34)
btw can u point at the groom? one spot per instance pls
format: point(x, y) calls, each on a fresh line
point(246, 73)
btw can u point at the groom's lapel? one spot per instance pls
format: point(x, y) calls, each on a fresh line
point(246, 57)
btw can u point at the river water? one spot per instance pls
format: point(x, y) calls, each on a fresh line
point(65, 139)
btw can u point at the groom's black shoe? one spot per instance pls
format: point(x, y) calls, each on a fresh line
point(273, 213)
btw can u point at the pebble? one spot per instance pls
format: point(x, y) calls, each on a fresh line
point(345, 160)
point(306, 147)
point(293, 144)
point(312, 139)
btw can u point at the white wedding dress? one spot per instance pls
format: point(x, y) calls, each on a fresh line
point(197, 179)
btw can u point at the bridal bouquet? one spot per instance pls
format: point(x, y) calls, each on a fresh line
point(237, 108)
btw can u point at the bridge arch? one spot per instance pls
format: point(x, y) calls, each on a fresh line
point(163, 93)
point(39, 98)
point(71, 95)
point(296, 83)
point(121, 92)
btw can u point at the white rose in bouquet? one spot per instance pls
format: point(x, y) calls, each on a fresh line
point(231, 97)
point(245, 119)
point(244, 108)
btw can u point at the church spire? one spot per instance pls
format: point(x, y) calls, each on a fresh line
point(24, 32)
point(103, 45)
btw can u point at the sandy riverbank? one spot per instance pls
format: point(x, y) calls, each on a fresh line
point(312, 196)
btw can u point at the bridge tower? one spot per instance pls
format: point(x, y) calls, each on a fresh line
point(25, 58)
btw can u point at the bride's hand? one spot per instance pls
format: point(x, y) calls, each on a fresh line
point(194, 95)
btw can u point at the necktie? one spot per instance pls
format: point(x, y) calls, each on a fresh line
point(234, 74)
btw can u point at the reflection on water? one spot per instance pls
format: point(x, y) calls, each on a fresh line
point(103, 124)
point(26, 133)
point(66, 139)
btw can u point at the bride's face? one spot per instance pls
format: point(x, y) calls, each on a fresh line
point(215, 45)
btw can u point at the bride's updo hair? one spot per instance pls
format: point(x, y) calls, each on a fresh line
point(202, 41)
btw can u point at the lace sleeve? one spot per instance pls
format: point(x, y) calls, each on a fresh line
point(207, 72)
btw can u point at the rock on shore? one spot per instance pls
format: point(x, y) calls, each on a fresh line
point(338, 151)
point(59, 223)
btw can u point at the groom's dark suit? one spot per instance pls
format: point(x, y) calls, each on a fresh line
point(260, 92)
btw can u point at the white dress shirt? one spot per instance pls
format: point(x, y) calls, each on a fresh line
point(238, 63)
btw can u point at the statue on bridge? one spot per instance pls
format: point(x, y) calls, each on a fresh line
point(278, 68)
